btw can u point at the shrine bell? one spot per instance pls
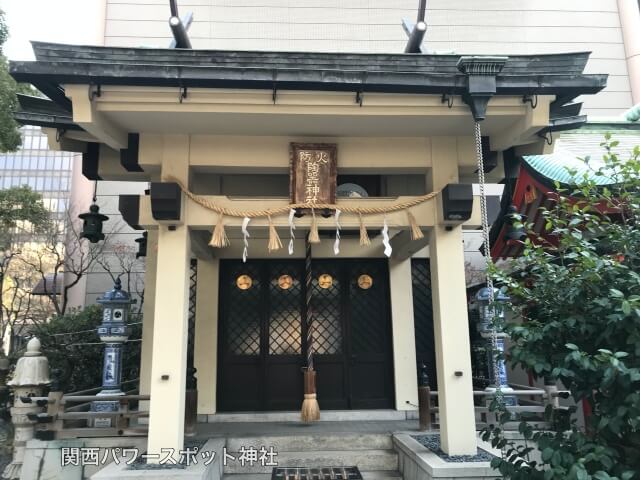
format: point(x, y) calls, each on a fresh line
point(92, 224)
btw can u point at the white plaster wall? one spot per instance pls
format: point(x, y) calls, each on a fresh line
point(464, 26)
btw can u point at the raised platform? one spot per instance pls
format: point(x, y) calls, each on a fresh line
point(295, 429)
point(382, 450)
point(195, 471)
point(325, 416)
point(417, 462)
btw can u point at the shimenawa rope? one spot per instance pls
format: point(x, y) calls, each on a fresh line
point(284, 210)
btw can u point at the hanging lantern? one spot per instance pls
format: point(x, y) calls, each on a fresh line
point(513, 233)
point(142, 245)
point(92, 224)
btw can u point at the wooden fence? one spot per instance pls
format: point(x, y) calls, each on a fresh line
point(68, 415)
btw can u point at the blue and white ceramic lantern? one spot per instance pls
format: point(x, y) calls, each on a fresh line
point(114, 332)
point(488, 314)
point(486, 311)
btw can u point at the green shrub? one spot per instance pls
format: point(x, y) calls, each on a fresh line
point(78, 356)
point(579, 301)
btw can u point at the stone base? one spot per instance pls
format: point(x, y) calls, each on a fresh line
point(106, 406)
point(43, 460)
point(198, 471)
point(419, 463)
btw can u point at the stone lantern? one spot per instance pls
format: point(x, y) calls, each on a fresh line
point(488, 314)
point(30, 378)
point(113, 331)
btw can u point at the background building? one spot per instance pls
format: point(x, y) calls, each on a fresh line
point(463, 27)
point(610, 29)
point(46, 171)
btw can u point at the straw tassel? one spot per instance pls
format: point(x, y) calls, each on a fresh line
point(274, 239)
point(416, 232)
point(314, 236)
point(310, 411)
point(364, 235)
point(219, 238)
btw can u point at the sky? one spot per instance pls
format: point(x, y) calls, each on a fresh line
point(61, 21)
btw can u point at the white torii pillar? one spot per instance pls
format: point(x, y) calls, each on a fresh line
point(450, 318)
point(170, 325)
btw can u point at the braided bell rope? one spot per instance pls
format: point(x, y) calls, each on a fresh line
point(308, 275)
point(232, 212)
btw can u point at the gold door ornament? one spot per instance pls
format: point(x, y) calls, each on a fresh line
point(244, 282)
point(285, 282)
point(365, 281)
point(325, 280)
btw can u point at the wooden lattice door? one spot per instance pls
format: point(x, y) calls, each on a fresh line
point(262, 338)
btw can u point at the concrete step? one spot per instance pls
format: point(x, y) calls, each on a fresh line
point(381, 475)
point(326, 416)
point(313, 442)
point(368, 475)
point(365, 460)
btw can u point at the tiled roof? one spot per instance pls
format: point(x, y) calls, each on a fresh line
point(561, 75)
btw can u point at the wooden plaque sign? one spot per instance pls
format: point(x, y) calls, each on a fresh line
point(313, 172)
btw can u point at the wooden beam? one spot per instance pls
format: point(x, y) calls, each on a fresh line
point(404, 247)
point(90, 119)
point(200, 245)
point(524, 130)
point(63, 143)
point(129, 156)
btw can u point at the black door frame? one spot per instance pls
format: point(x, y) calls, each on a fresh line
point(264, 360)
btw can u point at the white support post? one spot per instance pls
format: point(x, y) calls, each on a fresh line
point(170, 329)
point(206, 337)
point(451, 325)
point(146, 349)
point(168, 370)
point(404, 340)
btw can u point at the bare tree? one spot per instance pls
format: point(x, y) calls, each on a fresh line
point(20, 307)
point(22, 216)
point(64, 258)
point(121, 262)
point(473, 274)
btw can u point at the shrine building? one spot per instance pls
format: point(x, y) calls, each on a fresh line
point(302, 207)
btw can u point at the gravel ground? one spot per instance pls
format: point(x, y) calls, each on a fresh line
point(432, 442)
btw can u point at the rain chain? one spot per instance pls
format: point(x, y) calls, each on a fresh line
point(487, 253)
